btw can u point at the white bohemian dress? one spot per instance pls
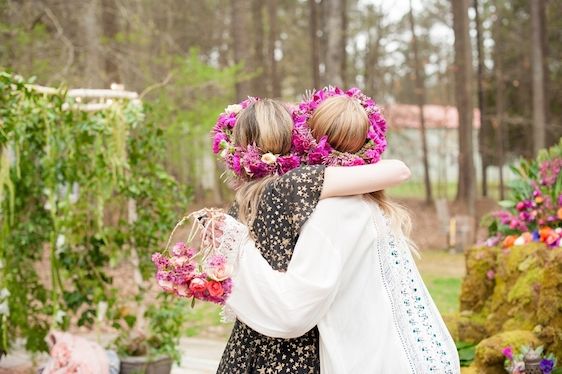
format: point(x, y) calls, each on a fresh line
point(357, 281)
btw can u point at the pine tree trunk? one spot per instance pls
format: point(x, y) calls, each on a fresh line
point(483, 123)
point(110, 29)
point(240, 13)
point(91, 35)
point(275, 84)
point(314, 53)
point(539, 125)
point(334, 27)
point(343, 41)
point(258, 83)
point(500, 98)
point(463, 94)
point(420, 98)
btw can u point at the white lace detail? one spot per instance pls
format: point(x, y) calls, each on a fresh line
point(235, 234)
point(227, 315)
point(229, 243)
point(424, 337)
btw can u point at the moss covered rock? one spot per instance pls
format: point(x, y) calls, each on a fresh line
point(471, 327)
point(549, 312)
point(512, 290)
point(477, 286)
point(489, 357)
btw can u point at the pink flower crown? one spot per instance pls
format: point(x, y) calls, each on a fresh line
point(252, 163)
point(247, 162)
point(312, 152)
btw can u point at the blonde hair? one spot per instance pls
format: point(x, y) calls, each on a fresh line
point(344, 120)
point(268, 125)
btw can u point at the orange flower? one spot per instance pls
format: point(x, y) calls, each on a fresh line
point(539, 199)
point(559, 213)
point(508, 241)
point(545, 232)
point(528, 237)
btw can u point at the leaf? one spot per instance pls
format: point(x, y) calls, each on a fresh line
point(506, 204)
point(130, 320)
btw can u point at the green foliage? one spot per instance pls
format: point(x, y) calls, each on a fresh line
point(466, 352)
point(188, 106)
point(166, 320)
point(69, 177)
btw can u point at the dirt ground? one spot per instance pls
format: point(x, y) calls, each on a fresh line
point(426, 232)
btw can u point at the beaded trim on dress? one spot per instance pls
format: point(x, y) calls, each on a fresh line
point(426, 342)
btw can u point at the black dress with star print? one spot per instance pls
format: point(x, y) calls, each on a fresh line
point(284, 207)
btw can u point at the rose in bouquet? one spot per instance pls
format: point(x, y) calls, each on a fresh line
point(203, 271)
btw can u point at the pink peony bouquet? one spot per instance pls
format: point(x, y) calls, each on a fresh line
point(203, 271)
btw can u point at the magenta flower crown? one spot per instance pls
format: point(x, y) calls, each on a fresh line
point(247, 162)
point(312, 152)
point(252, 163)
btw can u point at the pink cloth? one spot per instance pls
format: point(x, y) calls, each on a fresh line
point(72, 354)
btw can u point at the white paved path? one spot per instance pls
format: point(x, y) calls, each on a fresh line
point(199, 356)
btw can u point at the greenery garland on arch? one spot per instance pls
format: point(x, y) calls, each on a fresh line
point(66, 180)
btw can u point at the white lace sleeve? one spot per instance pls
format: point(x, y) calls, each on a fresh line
point(227, 237)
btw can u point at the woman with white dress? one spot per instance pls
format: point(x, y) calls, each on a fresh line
point(352, 274)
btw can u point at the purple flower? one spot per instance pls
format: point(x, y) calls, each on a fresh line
point(287, 163)
point(217, 140)
point(373, 155)
point(353, 91)
point(257, 169)
point(547, 365)
point(321, 152)
point(508, 352)
point(301, 142)
point(536, 236)
point(490, 274)
point(160, 261)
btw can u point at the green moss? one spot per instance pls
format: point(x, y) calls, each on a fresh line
point(489, 357)
point(526, 294)
point(452, 323)
point(471, 327)
point(524, 289)
point(476, 287)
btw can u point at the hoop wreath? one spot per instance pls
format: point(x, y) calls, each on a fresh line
point(313, 152)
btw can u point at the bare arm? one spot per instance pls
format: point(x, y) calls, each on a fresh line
point(356, 180)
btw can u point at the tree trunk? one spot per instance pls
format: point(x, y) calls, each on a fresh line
point(258, 83)
point(240, 10)
point(463, 94)
point(91, 35)
point(483, 150)
point(314, 53)
point(334, 28)
point(539, 125)
point(344, 24)
point(500, 99)
point(275, 85)
point(110, 29)
point(420, 96)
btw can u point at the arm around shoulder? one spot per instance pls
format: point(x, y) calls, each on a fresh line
point(356, 180)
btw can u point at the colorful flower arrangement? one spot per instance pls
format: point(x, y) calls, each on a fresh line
point(246, 162)
point(202, 272)
point(314, 152)
point(534, 214)
point(251, 162)
point(527, 360)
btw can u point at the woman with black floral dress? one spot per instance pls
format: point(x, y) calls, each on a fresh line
point(275, 207)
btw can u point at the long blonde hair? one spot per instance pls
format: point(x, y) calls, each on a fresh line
point(268, 125)
point(346, 124)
